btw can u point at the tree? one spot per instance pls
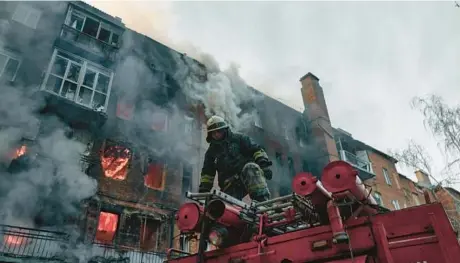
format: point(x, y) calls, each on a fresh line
point(444, 123)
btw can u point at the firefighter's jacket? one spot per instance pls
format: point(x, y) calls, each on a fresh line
point(228, 157)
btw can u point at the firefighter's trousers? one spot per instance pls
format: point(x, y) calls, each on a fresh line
point(251, 181)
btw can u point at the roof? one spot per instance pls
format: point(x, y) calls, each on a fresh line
point(453, 191)
point(309, 74)
point(364, 145)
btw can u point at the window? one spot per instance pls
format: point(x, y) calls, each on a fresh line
point(159, 121)
point(92, 27)
point(257, 121)
point(291, 167)
point(148, 232)
point(279, 158)
point(27, 15)
point(125, 109)
point(378, 198)
point(188, 125)
point(9, 66)
point(395, 175)
point(155, 176)
point(184, 244)
point(115, 160)
point(387, 177)
point(285, 131)
point(395, 204)
point(416, 200)
point(187, 171)
point(106, 227)
point(79, 81)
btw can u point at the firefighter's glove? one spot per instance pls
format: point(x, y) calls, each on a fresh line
point(267, 173)
point(204, 188)
point(263, 163)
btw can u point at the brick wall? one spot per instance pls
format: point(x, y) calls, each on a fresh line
point(388, 192)
point(448, 202)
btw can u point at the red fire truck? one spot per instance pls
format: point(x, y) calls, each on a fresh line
point(333, 220)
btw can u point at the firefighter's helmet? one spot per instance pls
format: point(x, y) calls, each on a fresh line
point(216, 123)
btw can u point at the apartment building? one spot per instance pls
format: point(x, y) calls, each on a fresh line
point(119, 94)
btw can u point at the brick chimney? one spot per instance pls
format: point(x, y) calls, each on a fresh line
point(316, 112)
point(423, 178)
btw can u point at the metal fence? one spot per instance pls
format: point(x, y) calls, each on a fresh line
point(21, 242)
point(39, 245)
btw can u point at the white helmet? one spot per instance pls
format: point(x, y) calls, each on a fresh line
point(216, 123)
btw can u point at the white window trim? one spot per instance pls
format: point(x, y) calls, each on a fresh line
point(416, 200)
point(75, 11)
point(98, 68)
point(378, 196)
point(386, 176)
point(23, 20)
point(9, 56)
point(395, 204)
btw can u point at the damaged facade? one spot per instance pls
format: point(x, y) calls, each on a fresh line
point(121, 96)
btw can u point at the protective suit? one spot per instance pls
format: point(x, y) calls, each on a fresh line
point(241, 164)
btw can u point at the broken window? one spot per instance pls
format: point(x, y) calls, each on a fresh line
point(149, 232)
point(186, 178)
point(78, 80)
point(129, 233)
point(92, 27)
point(125, 109)
point(27, 15)
point(106, 227)
point(115, 161)
point(159, 121)
point(9, 66)
point(155, 176)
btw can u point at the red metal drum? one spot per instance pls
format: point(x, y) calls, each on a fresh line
point(189, 216)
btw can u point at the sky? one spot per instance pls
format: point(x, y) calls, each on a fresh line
point(371, 58)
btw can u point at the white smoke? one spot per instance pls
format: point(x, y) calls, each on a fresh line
point(47, 181)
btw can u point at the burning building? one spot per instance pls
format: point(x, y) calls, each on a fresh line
point(102, 130)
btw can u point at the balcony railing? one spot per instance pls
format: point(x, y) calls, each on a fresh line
point(42, 245)
point(25, 243)
point(356, 161)
point(88, 42)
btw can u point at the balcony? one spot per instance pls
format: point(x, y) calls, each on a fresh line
point(19, 244)
point(364, 168)
point(88, 43)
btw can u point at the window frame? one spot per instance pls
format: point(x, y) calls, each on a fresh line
point(9, 55)
point(74, 59)
point(416, 200)
point(395, 204)
point(164, 172)
point(377, 197)
point(386, 176)
point(23, 20)
point(72, 10)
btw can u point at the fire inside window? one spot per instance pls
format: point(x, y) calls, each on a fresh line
point(115, 161)
point(155, 176)
point(106, 227)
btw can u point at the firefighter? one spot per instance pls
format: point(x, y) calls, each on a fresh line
point(241, 164)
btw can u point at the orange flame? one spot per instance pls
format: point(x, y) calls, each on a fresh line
point(20, 152)
point(114, 162)
point(106, 227)
point(14, 240)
